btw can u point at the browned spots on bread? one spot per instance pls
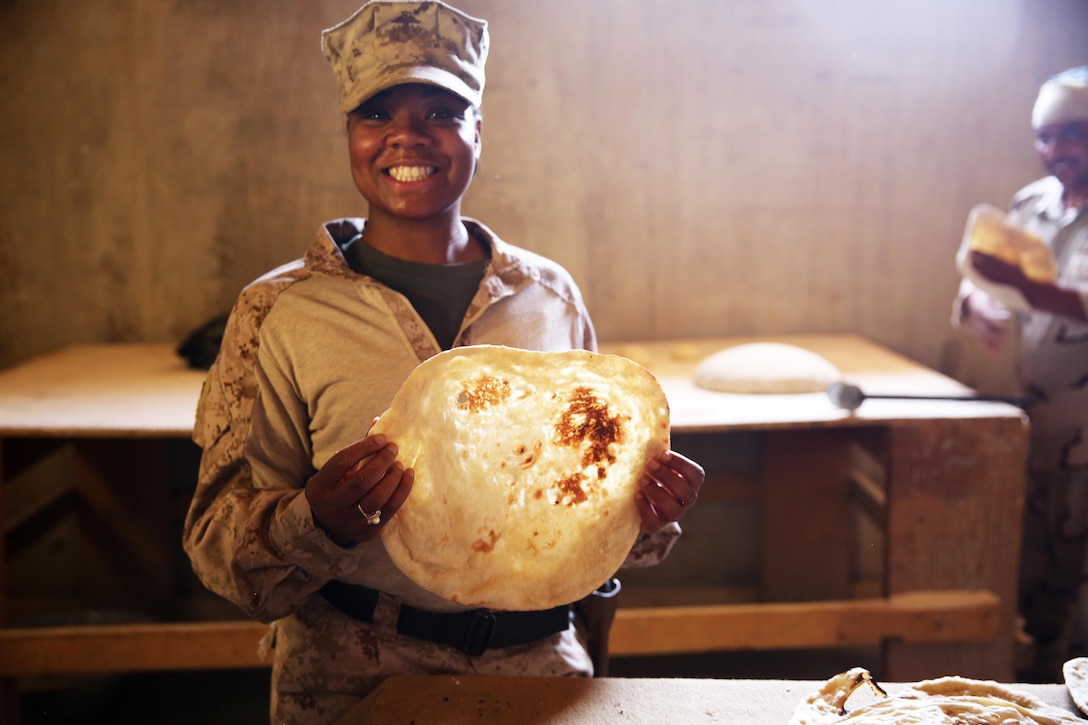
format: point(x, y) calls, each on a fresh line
point(571, 491)
point(483, 392)
point(528, 458)
point(486, 547)
point(587, 420)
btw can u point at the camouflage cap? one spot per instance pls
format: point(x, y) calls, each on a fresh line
point(384, 44)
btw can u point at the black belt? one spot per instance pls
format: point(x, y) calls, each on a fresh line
point(473, 632)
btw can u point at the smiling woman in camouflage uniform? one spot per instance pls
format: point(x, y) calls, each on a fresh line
point(293, 495)
point(1053, 348)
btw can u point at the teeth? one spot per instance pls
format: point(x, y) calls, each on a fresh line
point(411, 173)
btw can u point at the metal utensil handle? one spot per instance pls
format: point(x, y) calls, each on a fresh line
point(1017, 400)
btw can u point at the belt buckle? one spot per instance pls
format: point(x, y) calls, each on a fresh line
point(479, 634)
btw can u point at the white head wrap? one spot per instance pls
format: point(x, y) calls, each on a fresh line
point(1062, 99)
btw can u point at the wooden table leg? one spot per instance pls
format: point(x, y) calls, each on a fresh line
point(955, 500)
point(9, 687)
point(125, 514)
point(807, 541)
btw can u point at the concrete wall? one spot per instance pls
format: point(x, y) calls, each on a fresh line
point(703, 167)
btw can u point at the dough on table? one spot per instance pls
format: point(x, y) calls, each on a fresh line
point(765, 368)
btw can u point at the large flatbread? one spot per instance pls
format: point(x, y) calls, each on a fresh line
point(939, 701)
point(989, 231)
point(526, 469)
point(765, 368)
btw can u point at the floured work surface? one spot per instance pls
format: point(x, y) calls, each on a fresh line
point(101, 391)
point(854, 698)
point(453, 700)
point(526, 467)
point(873, 367)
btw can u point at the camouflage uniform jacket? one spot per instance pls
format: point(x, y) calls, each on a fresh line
point(313, 351)
point(1053, 351)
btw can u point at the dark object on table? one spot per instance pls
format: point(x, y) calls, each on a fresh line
point(201, 346)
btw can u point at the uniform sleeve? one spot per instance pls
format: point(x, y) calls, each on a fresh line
point(959, 315)
point(249, 532)
point(589, 335)
point(651, 549)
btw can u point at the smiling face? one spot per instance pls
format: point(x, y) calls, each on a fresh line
point(413, 151)
point(1063, 149)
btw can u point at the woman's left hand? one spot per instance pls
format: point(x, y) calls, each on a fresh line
point(667, 489)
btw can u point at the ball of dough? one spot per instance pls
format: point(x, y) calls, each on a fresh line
point(765, 368)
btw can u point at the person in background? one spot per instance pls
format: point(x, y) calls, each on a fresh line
point(293, 494)
point(1053, 368)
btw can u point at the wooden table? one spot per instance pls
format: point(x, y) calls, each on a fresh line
point(116, 406)
point(943, 479)
point(949, 487)
point(556, 701)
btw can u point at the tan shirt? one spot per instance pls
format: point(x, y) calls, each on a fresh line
point(313, 352)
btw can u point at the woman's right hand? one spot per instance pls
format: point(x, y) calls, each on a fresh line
point(358, 490)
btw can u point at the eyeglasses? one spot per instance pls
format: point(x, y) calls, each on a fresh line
point(1070, 133)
